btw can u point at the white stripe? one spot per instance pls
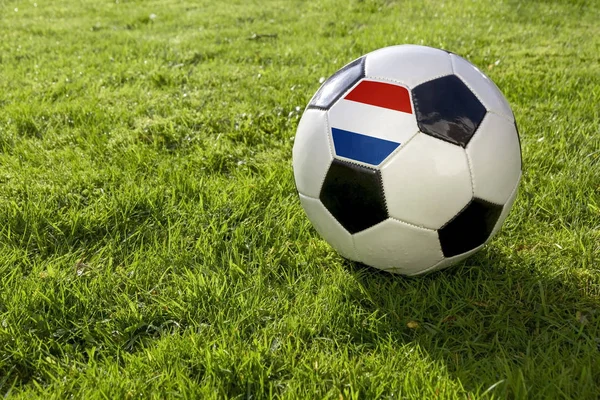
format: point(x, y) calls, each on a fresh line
point(378, 122)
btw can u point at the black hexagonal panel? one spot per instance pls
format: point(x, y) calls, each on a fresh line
point(354, 195)
point(337, 84)
point(447, 109)
point(470, 228)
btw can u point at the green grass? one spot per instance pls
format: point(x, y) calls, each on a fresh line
point(152, 243)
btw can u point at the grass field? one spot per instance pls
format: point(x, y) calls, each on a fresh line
point(152, 244)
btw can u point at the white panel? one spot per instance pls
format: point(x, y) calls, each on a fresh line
point(410, 65)
point(328, 227)
point(495, 158)
point(397, 247)
point(483, 87)
point(311, 154)
point(373, 121)
point(447, 262)
point(427, 183)
point(505, 210)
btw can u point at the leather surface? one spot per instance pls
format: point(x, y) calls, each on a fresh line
point(506, 210)
point(495, 158)
point(328, 227)
point(470, 228)
point(337, 84)
point(427, 182)
point(353, 194)
point(385, 129)
point(447, 109)
point(311, 155)
point(401, 188)
point(398, 247)
point(409, 65)
point(487, 91)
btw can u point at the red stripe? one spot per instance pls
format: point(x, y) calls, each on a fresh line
point(381, 94)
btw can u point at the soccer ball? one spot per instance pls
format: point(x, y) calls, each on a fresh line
point(407, 159)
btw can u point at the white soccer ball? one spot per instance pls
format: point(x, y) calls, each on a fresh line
point(407, 159)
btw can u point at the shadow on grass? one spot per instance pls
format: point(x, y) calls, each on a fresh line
point(496, 321)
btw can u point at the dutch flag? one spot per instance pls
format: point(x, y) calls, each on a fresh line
point(371, 121)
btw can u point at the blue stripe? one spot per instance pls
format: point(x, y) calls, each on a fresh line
point(360, 147)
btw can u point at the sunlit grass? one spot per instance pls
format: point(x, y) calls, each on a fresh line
point(151, 239)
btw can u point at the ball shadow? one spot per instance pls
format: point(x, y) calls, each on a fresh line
point(487, 319)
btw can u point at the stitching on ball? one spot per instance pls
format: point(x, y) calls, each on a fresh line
point(475, 93)
point(470, 165)
point(331, 150)
point(433, 79)
point(380, 179)
point(487, 110)
point(356, 258)
point(395, 81)
point(347, 161)
point(435, 266)
point(449, 55)
point(457, 214)
point(504, 117)
point(411, 224)
point(355, 162)
point(491, 203)
point(513, 191)
point(388, 159)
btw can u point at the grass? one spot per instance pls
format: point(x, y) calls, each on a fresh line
point(151, 240)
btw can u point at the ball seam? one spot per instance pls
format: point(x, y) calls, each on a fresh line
point(411, 224)
point(355, 254)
